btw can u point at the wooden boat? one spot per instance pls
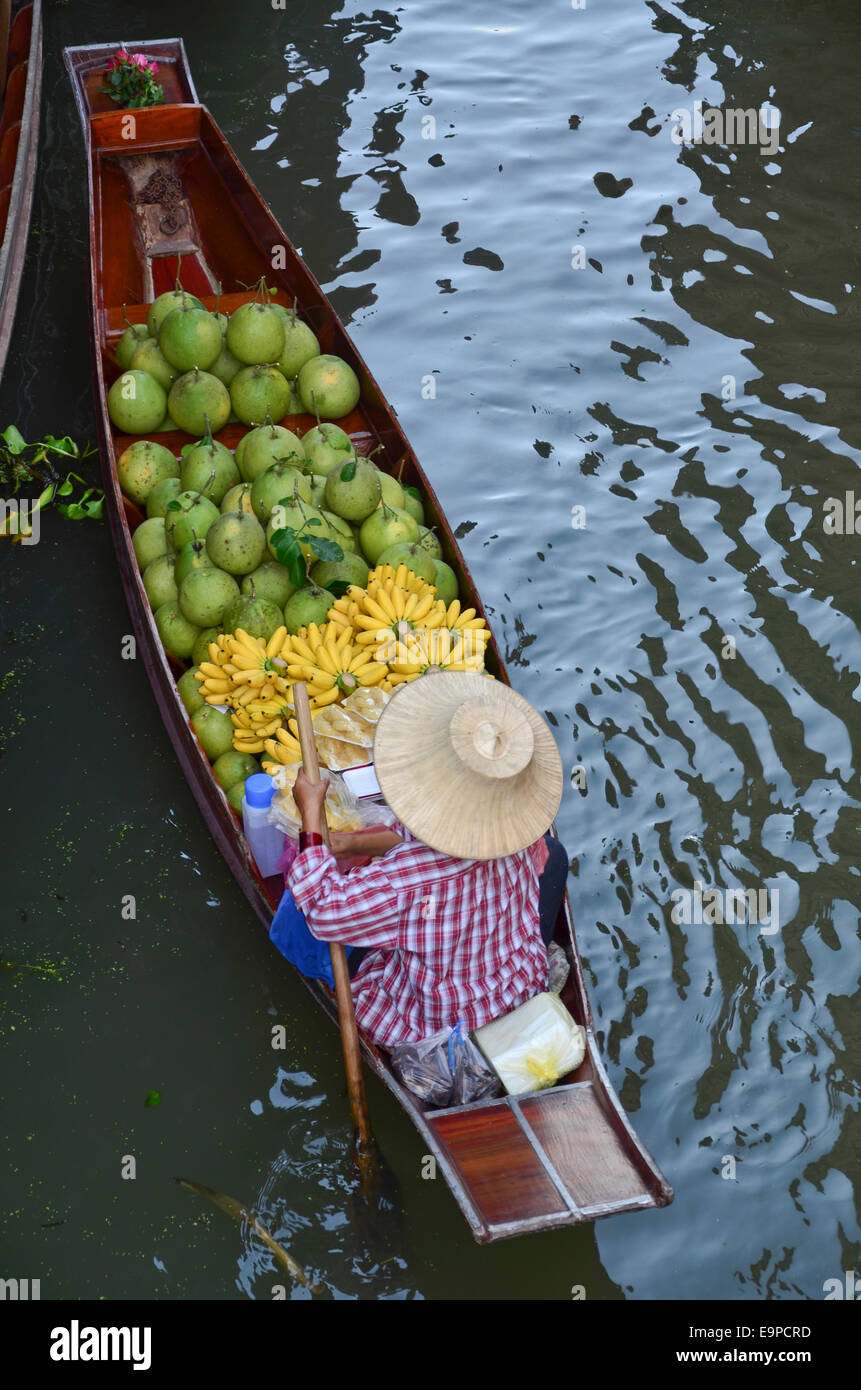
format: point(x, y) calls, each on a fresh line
point(20, 84)
point(555, 1158)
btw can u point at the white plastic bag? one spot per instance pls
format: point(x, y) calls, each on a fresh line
point(530, 1048)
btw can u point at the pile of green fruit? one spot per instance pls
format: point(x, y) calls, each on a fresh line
point(269, 536)
point(187, 365)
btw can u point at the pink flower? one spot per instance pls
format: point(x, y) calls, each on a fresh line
point(153, 66)
point(140, 60)
point(121, 57)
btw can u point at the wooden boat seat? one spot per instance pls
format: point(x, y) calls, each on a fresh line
point(13, 102)
point(9, 153)
point(19, 35)
point(529, 1162)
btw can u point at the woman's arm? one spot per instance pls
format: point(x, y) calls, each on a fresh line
point(371, 843)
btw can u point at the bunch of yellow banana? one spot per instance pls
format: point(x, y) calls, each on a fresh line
point(283, 748)
point(423, 652)
point(403, 577)
point(257, 721)
point(329, 663)
point(244, 669)
point(467, 628)
point(386, 617)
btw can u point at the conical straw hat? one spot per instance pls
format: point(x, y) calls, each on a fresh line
point(467, 765)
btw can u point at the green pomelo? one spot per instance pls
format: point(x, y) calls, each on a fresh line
point(384, 528)
point(149, 541)
point(201, 462)
point(206, 594)
point(429, 542)
point(238, 499)
point(236, 542)
point(270, 581)
point(326, 446)
point(391, 491)
point(270, 444)
point(189, 519)
point(342, 532)
point(413, 505)
point(300, 345)
point(149, 358)
point(162, 493)
point(255, 334)
point(310, 604)
point(257, 616)
point(200, 650)
point(328, 387)
point(159, 581)
point(297, 518)
point(411, 555)
point(256, 392)
point(354, 497)
point(131, 339)
point(237, 792)
point(195, 396)
point(233, 767)
point(214, 731)
point(189, 688)
point(351, 570)
point(176, 632)
point(191, 556)
point(161, 307)
point(279, 483)
point(190, 337)
point(445, 580)
point(142, 466)
point(136, 402)
point(225, 365)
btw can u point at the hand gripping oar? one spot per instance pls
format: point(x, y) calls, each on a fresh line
point(366, 1149)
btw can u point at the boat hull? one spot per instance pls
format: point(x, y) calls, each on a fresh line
point(560, 1157)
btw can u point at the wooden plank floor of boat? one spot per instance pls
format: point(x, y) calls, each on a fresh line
point(551, 1158)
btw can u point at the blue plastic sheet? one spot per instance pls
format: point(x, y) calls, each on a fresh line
point(290, 933)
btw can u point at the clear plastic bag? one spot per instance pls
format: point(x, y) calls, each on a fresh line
point(445, 1069)
point(343, 811)
point(534, 1045)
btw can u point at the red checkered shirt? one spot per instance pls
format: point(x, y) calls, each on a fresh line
point(453, 938)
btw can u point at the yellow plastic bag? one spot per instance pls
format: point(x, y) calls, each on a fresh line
point(530, 1048)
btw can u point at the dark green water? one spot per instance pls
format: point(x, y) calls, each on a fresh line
point(693, 388)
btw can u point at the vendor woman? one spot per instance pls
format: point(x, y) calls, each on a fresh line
point(455, 910)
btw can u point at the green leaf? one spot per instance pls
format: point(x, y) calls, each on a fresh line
point(313, 521)
point(348, 472)
point(325, 549)
point(65, 488)
point(338, 587)
point(14, 440)
point(73, 511)
point(153, 1098)
point(414, 492)
point(66, 445)
point(287, 550)
point(173, 506)
point(46, 497)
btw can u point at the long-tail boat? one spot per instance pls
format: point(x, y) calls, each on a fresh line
point(558, 1157)
point(20, 86)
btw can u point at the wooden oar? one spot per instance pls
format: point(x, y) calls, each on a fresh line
point(366, 1149)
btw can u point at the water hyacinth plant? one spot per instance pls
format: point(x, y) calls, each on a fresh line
point(131, 80)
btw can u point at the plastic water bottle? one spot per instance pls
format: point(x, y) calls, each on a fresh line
point(265, 841)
